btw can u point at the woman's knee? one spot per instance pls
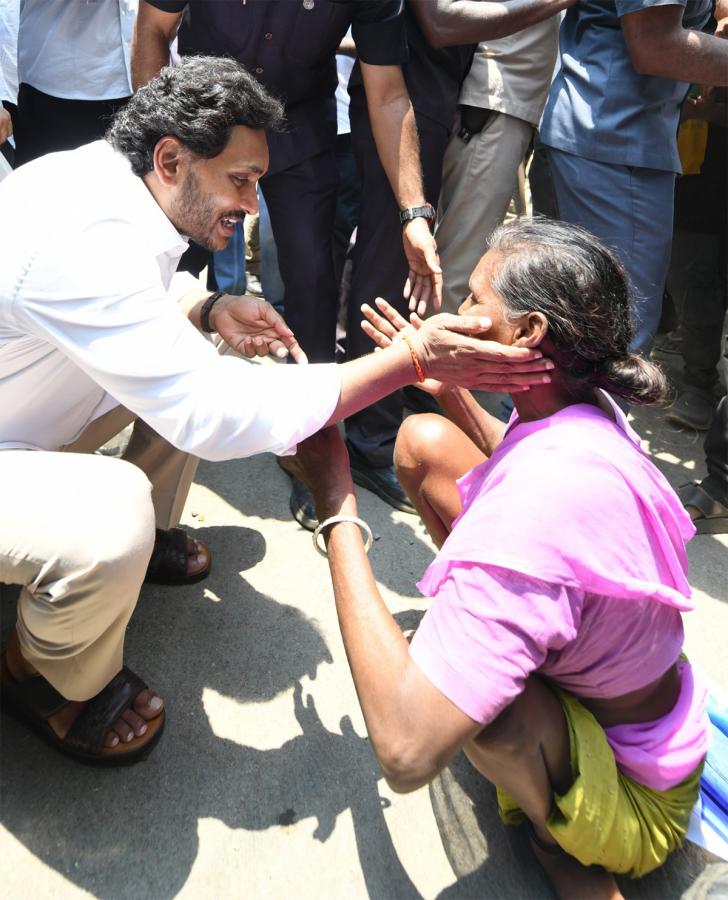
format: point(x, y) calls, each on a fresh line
point(419, 442)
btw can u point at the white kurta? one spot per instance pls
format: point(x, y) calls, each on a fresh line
point(89, 319)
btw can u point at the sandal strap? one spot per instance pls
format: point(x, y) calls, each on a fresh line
point(35, 694)
point(169, 556)
point(88, 732)
point(694, 494)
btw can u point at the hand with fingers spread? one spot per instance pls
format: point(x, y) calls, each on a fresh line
point(387, 328)
point(424, 280)
point(452, 349)
point(252, 327)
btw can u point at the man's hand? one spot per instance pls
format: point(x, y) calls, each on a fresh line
point(6, 125)
point(451, 358)
point(250, 326)
point(389, 326)
point(454, 349)
point(424, 280)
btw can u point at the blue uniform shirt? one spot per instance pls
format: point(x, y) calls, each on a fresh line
point(599, 107)
point(290, 46)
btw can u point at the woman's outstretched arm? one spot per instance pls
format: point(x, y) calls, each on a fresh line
point(414, 729)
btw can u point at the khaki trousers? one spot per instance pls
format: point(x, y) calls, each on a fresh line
point(478, 181)
point(76, 532)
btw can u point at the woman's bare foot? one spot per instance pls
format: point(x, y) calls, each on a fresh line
point(569, 878)
point(131, 724)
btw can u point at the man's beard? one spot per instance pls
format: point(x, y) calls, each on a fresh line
point(193, 213)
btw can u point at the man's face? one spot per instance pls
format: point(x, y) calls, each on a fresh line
point(215, 194)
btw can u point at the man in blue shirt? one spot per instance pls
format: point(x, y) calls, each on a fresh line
point(610, 127)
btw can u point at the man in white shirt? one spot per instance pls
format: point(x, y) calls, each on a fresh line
point(91, 335)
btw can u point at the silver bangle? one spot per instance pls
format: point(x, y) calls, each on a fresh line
point(332, 520)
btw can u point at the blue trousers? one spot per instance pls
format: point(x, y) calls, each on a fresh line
point(630, 209)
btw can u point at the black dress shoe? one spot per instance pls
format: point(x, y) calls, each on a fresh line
point(302, 506)
point(381, 480)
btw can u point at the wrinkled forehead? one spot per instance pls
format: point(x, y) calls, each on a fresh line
point(480, 280)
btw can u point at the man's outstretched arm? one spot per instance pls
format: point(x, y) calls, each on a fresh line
point(395, 134)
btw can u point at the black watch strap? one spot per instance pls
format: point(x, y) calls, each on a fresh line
point(205, 311)
point(415, 212)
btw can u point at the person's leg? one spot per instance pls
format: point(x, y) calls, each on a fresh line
point(347, 203)
point(170, 471)
point(478, 181)
point(76, 535)
point(696, 284)
point(270, 274)
point(47, 124)
point(540, 181)
point(716, 455)
point(526, 753)
point(380, 270)
point(301, 203)
point(630, 210)
point(430, 454)
point(703, 308)
point(228, 265)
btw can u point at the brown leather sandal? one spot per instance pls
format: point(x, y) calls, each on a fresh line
point(168, 563)
point(34, 700)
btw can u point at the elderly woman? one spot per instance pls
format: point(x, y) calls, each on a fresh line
point(551, 653)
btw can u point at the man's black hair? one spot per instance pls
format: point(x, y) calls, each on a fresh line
point(197, 101)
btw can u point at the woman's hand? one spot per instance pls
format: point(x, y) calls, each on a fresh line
point(322, 463)
point(389, 327)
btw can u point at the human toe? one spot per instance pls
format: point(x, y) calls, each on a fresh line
point(135, 721)
point(148, 704)
point(198, 556)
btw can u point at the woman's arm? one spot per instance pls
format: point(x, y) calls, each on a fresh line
point(414, 729)
point(484, 430)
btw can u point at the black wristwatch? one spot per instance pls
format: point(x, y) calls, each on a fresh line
point(205, 311)
point(417, 212)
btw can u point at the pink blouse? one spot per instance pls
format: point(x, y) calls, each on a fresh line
point(567, 559)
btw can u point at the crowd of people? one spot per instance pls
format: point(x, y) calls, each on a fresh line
point(551, 652)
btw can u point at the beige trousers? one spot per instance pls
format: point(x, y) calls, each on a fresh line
point(478, 181)
point(76, 532)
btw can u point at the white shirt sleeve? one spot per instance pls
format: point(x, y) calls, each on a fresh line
point(132, 340)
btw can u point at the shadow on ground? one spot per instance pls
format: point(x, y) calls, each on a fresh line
point(100, 828)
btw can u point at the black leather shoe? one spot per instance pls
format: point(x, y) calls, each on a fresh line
point(381, 480)
point(302, 506)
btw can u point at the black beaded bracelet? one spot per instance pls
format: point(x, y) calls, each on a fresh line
point(205, 311)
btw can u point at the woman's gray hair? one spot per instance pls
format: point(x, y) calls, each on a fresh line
point(197, 101)
point(565, 273)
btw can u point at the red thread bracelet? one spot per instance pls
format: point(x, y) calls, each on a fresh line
point(415, 359)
